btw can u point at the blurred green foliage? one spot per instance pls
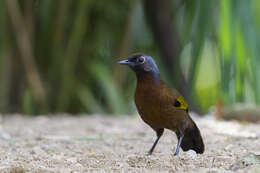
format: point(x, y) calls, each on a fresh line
point(60, 56)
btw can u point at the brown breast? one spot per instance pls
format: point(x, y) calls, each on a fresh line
point(149, 102)
point(154, 101)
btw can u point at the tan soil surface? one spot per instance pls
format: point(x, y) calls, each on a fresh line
point(111, 144)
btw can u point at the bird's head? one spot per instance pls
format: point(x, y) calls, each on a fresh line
point(140, 63)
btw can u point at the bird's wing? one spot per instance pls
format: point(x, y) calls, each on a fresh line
point(180, 103)
point(178, 100)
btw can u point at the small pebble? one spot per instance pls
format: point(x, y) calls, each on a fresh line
point(191, 153)
point(4, 135)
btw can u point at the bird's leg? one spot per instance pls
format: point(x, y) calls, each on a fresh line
point(178, 145)
point(159, 133)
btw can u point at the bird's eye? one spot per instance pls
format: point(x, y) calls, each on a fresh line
point(141, 60)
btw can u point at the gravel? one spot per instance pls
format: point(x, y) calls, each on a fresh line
point(65, 143)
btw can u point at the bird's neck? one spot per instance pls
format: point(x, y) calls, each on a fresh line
point(150, 78)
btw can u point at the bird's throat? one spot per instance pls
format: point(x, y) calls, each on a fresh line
point(149, 78)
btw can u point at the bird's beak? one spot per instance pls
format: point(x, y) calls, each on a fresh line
point(124, 62)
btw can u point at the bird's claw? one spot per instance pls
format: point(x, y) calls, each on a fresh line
point(148, 154)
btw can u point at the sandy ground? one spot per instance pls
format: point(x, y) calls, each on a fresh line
point(111, 144)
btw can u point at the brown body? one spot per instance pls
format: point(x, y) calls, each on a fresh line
point(161, 106)
point(154, 101)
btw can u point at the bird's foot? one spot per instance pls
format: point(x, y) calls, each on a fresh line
point(176, 153)
point(148, 154)
point(178, 146)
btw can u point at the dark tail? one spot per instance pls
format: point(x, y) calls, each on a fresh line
point(192, 140)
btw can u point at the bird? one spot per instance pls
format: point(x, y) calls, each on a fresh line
point(162, 107)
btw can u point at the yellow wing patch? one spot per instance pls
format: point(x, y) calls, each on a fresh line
point(183, 104)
